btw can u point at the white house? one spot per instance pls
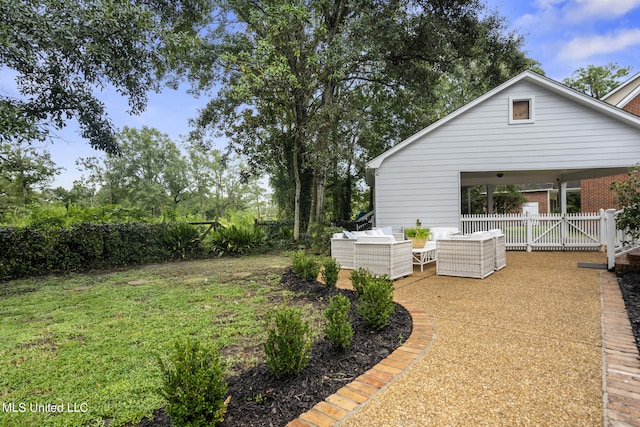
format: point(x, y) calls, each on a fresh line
point(531, 129)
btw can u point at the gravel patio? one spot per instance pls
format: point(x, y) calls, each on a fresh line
point(520, 347)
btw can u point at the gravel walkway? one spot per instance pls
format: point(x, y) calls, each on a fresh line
point(521, 347)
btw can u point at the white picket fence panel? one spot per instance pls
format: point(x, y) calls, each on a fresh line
point(580, 231)
point(618, 242)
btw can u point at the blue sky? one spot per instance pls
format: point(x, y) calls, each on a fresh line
point(563, 35)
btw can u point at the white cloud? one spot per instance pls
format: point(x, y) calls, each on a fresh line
point(585, 47)
point(563, 12)
point(586, 9)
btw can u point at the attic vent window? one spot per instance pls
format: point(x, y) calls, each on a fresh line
point(521, 110)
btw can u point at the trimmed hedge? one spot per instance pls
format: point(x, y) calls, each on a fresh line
point(33, 251)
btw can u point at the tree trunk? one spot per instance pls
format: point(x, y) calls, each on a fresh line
point(312, 207)
point(298, 182)
point(346, 195)
point(321, 188)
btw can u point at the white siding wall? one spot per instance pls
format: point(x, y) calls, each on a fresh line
point(422, 180)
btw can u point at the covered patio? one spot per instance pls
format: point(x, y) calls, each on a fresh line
point(559, 177)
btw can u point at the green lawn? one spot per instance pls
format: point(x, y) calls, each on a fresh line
point(88, 343)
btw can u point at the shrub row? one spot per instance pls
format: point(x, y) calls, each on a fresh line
point(36, 250)
point(33, 251)
point(193, 380)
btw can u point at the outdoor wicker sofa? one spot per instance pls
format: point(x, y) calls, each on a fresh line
point(379, 251)
point(342, 250)
point(383, 256)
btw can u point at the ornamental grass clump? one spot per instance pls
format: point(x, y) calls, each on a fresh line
point(306, 267)
point(288, 343)
point(182, 240)
point(330, 272)
point(236, 240)
point(194, 385)
point(338, 328)
point(375, 301)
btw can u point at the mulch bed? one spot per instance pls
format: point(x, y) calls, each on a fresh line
point(259, 399)
point(630, 288)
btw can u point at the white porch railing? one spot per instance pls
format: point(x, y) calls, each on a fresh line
point(582, 231)
point(618, 242)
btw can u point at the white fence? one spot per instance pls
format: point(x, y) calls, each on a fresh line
point(582, 231)
point(618, 242)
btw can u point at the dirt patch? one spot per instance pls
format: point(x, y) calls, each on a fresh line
point(258, 399)
point(196, 280)
point(138, 282)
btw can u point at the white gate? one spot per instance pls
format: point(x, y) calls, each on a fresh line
point(581, 231)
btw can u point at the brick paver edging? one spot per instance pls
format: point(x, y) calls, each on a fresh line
point(339, 406)
point(620, 359)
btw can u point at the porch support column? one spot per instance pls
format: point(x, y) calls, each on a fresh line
point(489, 199)
point(563, 211)
point(563, 197)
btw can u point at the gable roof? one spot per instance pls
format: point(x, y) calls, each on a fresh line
point(624, 93)
point(529, 76)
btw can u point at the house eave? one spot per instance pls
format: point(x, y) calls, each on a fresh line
point(550, 84)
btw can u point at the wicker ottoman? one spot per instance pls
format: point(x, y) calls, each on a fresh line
point(466, 257)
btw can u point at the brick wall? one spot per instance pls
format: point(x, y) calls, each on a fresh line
point(633, 106)
point(596, 193)
point(538, 196)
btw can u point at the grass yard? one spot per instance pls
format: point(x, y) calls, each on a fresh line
point(87, 344)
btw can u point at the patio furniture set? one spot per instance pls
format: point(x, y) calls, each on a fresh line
point(382, 252)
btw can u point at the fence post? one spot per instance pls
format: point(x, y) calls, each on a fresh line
point(602, 230)
point(529, 223)
point(611, 238)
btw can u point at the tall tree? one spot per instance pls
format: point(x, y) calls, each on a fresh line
point(297, 75)
point(151, 173)
point(218, 182)
point(23, 169)
point(597, 80)
point(63, 51)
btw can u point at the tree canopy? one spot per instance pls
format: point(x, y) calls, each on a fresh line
point(64, 51)
point(310, 90)
point(306, 90)
point(156, 176)
point(22, 170)
point(597, 80)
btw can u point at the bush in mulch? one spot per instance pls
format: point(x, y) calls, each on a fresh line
point(260, 399)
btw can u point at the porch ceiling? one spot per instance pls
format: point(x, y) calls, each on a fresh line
point(534, 176)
